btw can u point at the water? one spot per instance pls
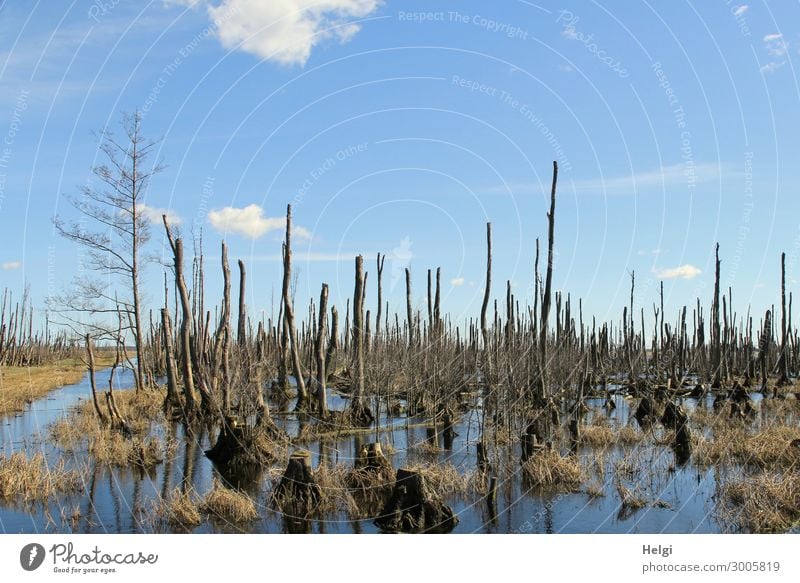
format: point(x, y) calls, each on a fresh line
point(121, 500)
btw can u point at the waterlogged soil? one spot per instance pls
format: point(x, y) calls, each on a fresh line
point(677, 498)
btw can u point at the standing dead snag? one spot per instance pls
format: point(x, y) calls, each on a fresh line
point(360, 413)
point(783, 361)
point(409, 311)
point(415, 507)
point(288, 313)
point(90, 355)
point(381, 261)
point(548, 283)
point(241, 327)
point(222, 342)
point(322, 397)
point(172, 399)
point(186, 320)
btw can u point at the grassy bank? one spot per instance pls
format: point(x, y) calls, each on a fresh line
point(22, 384)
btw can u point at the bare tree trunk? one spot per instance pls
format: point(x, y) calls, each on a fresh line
point(288, 311)
point(381, 260)
point(548, 283)
point(241, 328)
point(360, 413)
point(222, 341)
point(186, 321)
point(172, 370)
point(409, 311)
point(783, 367)
point(322, 376)
point(90, 354)
point(488, 290)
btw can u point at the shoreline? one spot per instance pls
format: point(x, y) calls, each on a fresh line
point(20, 385)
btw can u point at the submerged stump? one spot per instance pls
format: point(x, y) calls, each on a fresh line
point(298, 493)
point(240, 445)
point(414, 507)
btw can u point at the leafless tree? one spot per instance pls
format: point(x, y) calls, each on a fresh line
point(112, 228)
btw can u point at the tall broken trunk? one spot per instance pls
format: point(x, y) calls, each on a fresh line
point(186, 322)
point(222, 342)
point(409, 311)
point(172, 399)
point(548, 283)
point(783, 362)
point(322, 376)
point(716, 349)
point(90, 354)
point(241, 328)
point(381, 261)
point(360, 413)
point(288, 312)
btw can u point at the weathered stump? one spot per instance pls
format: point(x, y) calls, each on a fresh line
point(414, 507)
point(298, 493)
point(241, 445)
point(645, 412)
point(371, 469)
point(675, 418)
point(531, 441)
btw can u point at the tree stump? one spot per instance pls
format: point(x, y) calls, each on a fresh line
point(241, 445)
point(645, 412)
point(414, 507)
point(675, 418)
point(371, 469)
point(298, 493)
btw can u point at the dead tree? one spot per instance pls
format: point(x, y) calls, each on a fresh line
point(360, 413)
point(90, 355)
point(241, 327)
point(288, 314)
point(322, 397)
point(548, 283)
point(186, 321)
point(172, 399)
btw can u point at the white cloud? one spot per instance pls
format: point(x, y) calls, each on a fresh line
point(250, 222)
point(686, 271)
point(457, 281)
point(776, 47)
point(665, 176)
point(741, 10)
point(153, 214)
point(285, 31)
point(772, 66)
point(643, 252)
point(9, 265)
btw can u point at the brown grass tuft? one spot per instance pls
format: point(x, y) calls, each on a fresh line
point(180, 510)
point(31, 480)
point(548, 468)
point(765, 503)
point(226, 504)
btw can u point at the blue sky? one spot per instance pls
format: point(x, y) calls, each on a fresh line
point(402, 127)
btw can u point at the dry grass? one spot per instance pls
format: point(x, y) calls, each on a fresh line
point(444, 479)
point(181, 510)
point(82, 429)
point(631, 499)
point(628, 435)
point(31, 480)
point(226, 504)
point(594, 490)
point(549, 469)
point(598, 434)
point(770, 447)
point(767, 502)
point(24, 384)
point(334, 491)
